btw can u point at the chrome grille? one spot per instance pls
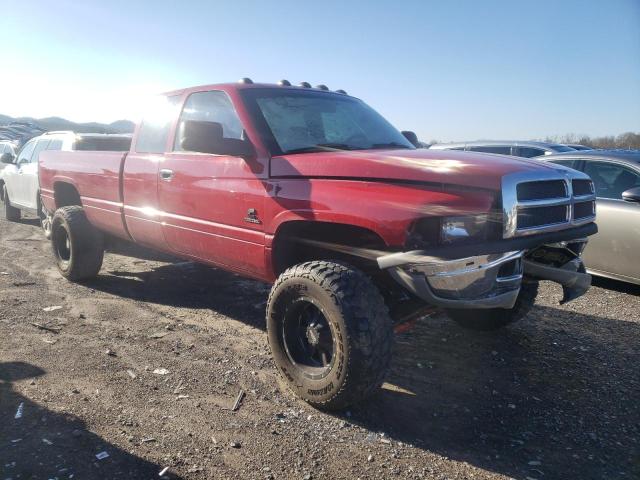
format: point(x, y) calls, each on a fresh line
point(536, 202)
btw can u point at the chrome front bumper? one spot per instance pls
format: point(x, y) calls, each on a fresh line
point(484, 281)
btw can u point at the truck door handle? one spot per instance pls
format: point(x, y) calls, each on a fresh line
point(166, 175)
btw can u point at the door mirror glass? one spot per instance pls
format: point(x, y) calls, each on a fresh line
point(412, 137)
point(7, 158)
point(632, 195)
point(207, 137)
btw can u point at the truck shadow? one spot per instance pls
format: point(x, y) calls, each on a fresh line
point(40, 443)
point(550, 397)
point(553, 397)
point(190, 285)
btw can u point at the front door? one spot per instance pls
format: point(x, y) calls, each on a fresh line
point(615, 247)
point(212, 204)
point(14, 175)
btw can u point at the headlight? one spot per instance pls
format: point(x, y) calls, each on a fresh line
point(468, 229)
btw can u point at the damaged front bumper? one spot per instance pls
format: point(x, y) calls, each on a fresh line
point(491, 280)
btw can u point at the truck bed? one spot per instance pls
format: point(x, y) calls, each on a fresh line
point(96, 177)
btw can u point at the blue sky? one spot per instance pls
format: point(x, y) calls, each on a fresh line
point(457, 70)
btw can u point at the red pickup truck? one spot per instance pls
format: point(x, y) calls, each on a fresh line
point(313, 190)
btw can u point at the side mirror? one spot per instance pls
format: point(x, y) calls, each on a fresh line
point(632, 195)
point(412, 137)
point(7, 158)
point(207, 137)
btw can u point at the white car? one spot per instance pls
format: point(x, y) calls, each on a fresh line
point(19, 185)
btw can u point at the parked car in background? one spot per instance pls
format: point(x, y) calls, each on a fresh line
point(6, 147)
point(613, 251)
point(509, 147)
point(19, 187)
point(576, 146)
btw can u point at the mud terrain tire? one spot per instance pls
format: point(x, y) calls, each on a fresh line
point(339, 308)
point(77, 245)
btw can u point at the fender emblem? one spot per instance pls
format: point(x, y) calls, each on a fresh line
point(252, 216)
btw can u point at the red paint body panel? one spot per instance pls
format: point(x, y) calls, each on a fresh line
point(421, 165)
point(202, 212)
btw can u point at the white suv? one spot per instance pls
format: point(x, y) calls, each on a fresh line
point(19, 185)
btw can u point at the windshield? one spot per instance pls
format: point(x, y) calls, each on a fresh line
point(310, 121)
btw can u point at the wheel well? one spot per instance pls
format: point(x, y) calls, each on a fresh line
point(66, 195)
point(290, 245)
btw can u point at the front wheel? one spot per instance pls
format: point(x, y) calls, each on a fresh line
point(496, 318)
point(77, 245)
point(330, 333)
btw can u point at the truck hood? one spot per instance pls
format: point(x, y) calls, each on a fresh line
point(468, 169)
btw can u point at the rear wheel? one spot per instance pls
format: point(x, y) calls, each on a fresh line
point(487, 320)
point(10, 213)
point(77, 245)
point(330, 333)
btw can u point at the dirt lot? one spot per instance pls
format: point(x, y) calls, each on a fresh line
point(557, 396)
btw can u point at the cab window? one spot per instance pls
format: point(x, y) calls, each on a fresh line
point(209, 107)
point(611, 179)
point(154, 129)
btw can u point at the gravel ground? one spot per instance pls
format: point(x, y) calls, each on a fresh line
point(145, 363)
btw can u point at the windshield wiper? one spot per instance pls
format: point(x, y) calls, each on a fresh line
point(391, 145)
point(321, 147)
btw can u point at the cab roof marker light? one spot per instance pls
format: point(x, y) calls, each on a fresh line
point(305, 84)
point(341, 91)
point(322, 87)
point(246, 81)
point(284, 83)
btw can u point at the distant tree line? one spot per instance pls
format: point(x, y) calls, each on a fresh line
point(627, 140)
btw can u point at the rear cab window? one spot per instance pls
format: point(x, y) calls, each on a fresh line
point(103, 143)
point(156, 123)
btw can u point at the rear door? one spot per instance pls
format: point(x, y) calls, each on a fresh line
point(614, 249)
point(212, 203)
point(143, 216)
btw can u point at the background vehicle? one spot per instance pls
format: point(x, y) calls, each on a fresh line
point(517, 149)
point(613, 252)
point(20, 132)
point(6, 147)
point(19, 179)
point(263, 179)
point(575, 146)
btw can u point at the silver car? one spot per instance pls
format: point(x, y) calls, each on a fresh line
point(613, 251)
point(507, 147)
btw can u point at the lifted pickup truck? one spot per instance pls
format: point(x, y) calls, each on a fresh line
point(316, 192)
